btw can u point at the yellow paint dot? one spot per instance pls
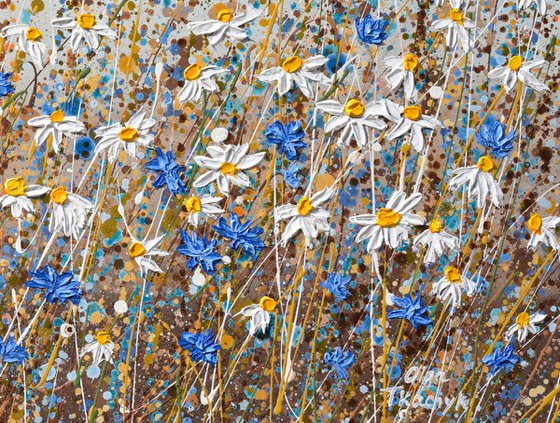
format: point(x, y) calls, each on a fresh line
point(227, 342)
point(95, 317)
point(323, 181)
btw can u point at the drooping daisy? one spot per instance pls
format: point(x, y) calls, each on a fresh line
point(206, 205)
point(543, 230)
point(28, 39)
point(411, 123)
point(391, 224)
point(58, 125)
point(226, 165)
point(17, 196)
point(353, 118)
point(306, 216)
point(525, 4)
point(295, 70)
point(518, 69)
point(228, 25)
point(143, 251)
point(86, 30)
point(481, 182)
point(259, 314)
point(457, 26)
point(102, 348)
point(453, 285)
point(70, 212)
point(402, 72)
point(525, 324)
point(197, 80)
point(118, 136)
point(437, 241)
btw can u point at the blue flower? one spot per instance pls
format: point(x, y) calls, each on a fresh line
point(286, 137)
point(493, 136)
point(11, 352)
point(241, 235)
point(337, 285)
point(334, 61)
point(168, 172)
point(501, 359)
point(291, 176)
point(412, 310)
point(200, 252)
point(371, 31)
point(6, 86)
point(58, 287)
point(340, 361)
point(201, 346)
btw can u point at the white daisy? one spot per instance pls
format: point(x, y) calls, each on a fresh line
point(411, 123)
point(354, 118)
point(102, 348)
point(480, 180)
point(306, 216)
point(17, 195)
point(28, 40)
point(206, 205)
point(453, 285)
point(296, 70)
point(86, 30)
point(226, 165)
point(198, 79)
point(525, 4)
point(259, 314)
point(437, 241)
point(226, 26)
point(58, 125)
point(543, 230)
point(142, 251)
point(524, 325)
point(117, 136)
point(457, 26)
point(391, 224)
point(402, 72)
point(69, 212)
point(518, 69)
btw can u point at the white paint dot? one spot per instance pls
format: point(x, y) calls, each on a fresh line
point(226, 259)
point(219, 135)
point(436, 92)
point(198, 278)
point(121, 307)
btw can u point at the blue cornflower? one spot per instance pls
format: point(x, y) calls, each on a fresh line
point(168, 172)
point(412, 310)
point(337, 285)
point(11, 352)
point(492, 136)
point(291, 176)
point(241, 235)
point(340, 361)
point(201, 346)
point(501, 359)
point(58, 287)
point(371, 31)
point(335, 62)
point(200, 252)
point(6, 86)
point(286, 137)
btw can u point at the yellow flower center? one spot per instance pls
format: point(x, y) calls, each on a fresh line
point(304, 206)
point(57, 116)
point(452, 274)
point(486, 164)
point(86, 20)
point(192, 73)
point(59, 195)
point(388, 218)
point(411, 62)
point(15, 186)
point(535, 223)
point(228, 168)
point(267, 303)
point(136, 249)
point(292, 64)
point(515, 62)
point(412, 112)
point(193, 204)
point(435, 226)
point(128, 134)
point(522, 320)
point(103, 337)
point(225, 15)
point(354, 108)
point(456, 16)
point(33, 34)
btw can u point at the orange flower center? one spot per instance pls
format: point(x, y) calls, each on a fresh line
point(515, 62)
point(57, 116)
point(228, 168)
point(535, 223)
point(435, 226)
point(103, 337)
point(486, 164)
point(225, 15)
point(59, 195)
point(354, 108)
point(86, 20)
point(411, 62)
point(15, 186)
point(267, 303)
point(522, 320)
point(452, 274)
point(193, 72)
point(128, 134)
point(292, 64)
point(136, 249)
point(412, 112)
point(33, 34)
point(193, 204)
point(456, 16)
point(388, 218)
point(304, 206)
